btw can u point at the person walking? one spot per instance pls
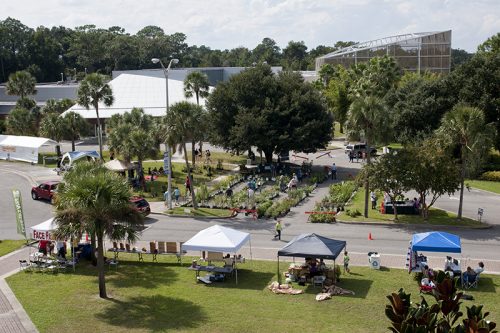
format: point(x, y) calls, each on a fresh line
point(346, 263)
point(334, 171)
point(351, 156)
point(373, 198)
point(177, 194)
point(278, 227)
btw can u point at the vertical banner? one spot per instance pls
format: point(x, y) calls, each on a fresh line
point(166, 165)
point(18, 205)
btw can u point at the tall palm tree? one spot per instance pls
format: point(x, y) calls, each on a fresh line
point(93, 90)
point(95, 200)
point(197, 84)
point(54, 127)
point(466, 126)
point(21, 84)
point(179, 124)
point(368, 115)
point(76, 125)
point(134, 134)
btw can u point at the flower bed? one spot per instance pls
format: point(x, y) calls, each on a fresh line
point(339, 194)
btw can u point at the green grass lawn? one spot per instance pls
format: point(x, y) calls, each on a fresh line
point(204, 212)
point(7, 246)
point(164, 296)
point(436, 216)
point(484, 185)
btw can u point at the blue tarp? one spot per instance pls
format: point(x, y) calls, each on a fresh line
point(436, 241)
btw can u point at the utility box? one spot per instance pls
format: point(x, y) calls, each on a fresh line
point(374, 260)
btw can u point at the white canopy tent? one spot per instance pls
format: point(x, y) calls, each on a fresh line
point(22, 148)
point(218, 239)
point(119, 165)
point(42, 231)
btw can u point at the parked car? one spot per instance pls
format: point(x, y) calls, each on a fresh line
point(141, 205)
point(358, 149)
point(45, 191)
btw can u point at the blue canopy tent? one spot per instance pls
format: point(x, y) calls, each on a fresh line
point(70, 157)
point(434, 241)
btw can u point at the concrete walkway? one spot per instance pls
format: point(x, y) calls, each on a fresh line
point(13, 318)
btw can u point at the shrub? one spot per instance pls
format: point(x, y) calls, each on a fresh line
point(353, 213)
point(493, 176)
point(263, 207)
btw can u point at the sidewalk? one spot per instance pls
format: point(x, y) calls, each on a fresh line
point(13, 318)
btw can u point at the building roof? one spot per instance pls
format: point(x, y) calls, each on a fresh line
point(378, 43)
point(140, 91)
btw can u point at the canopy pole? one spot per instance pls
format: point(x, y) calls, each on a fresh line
point(279, 275)
point(251, 256)
point(334, 270)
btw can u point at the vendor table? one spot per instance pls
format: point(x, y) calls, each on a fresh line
point(211, 269)
point(140, 254)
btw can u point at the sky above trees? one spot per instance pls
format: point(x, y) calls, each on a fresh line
point(226, 24)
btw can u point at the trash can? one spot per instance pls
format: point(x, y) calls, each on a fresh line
point(374, 260)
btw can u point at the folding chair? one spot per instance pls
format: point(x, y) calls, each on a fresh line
point(471, 281)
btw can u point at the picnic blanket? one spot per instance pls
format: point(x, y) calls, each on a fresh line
point(332, 290)
point(277, 288)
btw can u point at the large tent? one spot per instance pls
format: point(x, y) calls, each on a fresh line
point(218, 239)
point(436, 241)
point(312, 245)
point(22, 148)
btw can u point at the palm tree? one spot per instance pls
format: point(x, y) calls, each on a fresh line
point(20, 122)
point(196, 83)
point(54, 127)
point(21, 84)
point(94, 89)
point(466, 126)
point(95, 200)
point(179, 124)
point(134, 134)
point(76, 125)
point(368, 115)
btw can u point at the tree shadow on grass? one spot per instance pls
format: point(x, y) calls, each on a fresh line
point(247, 279)
point(153, 313)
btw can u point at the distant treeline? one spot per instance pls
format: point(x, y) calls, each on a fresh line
point(48, 52)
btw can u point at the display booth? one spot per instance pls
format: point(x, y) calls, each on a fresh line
point(434, 241)
point(218, 239)
point(119, 165)
point(312, 246)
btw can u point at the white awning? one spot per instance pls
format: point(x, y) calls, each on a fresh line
point(42, 231)
point(217, 239)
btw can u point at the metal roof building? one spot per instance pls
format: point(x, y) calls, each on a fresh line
point(416, 52)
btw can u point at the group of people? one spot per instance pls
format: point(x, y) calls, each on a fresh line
point(198, 154)
point(47, 248)
point(453, 269)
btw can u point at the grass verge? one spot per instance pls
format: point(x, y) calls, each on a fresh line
point(7, 246)
point(200, 212)
point(436, 216)
point(163, 296)
point(484, 185)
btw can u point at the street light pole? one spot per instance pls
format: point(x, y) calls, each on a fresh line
point(169, 150)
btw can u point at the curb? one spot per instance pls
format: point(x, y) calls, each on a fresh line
point(486, 226)
point(194, 217)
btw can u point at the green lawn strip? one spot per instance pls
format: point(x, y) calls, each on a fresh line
point(484, 185)
point(436, 216)
point(164, 296)
point(205, 212)
point(7, 246)
point(336, 131)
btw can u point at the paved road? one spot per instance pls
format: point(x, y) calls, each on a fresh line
point(390, 240)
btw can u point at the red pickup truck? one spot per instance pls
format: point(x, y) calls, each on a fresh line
point(44, 191)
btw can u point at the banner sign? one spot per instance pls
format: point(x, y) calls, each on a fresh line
point(165, 163)
point(21, 228)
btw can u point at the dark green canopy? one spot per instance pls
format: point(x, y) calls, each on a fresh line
point(314, 246)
